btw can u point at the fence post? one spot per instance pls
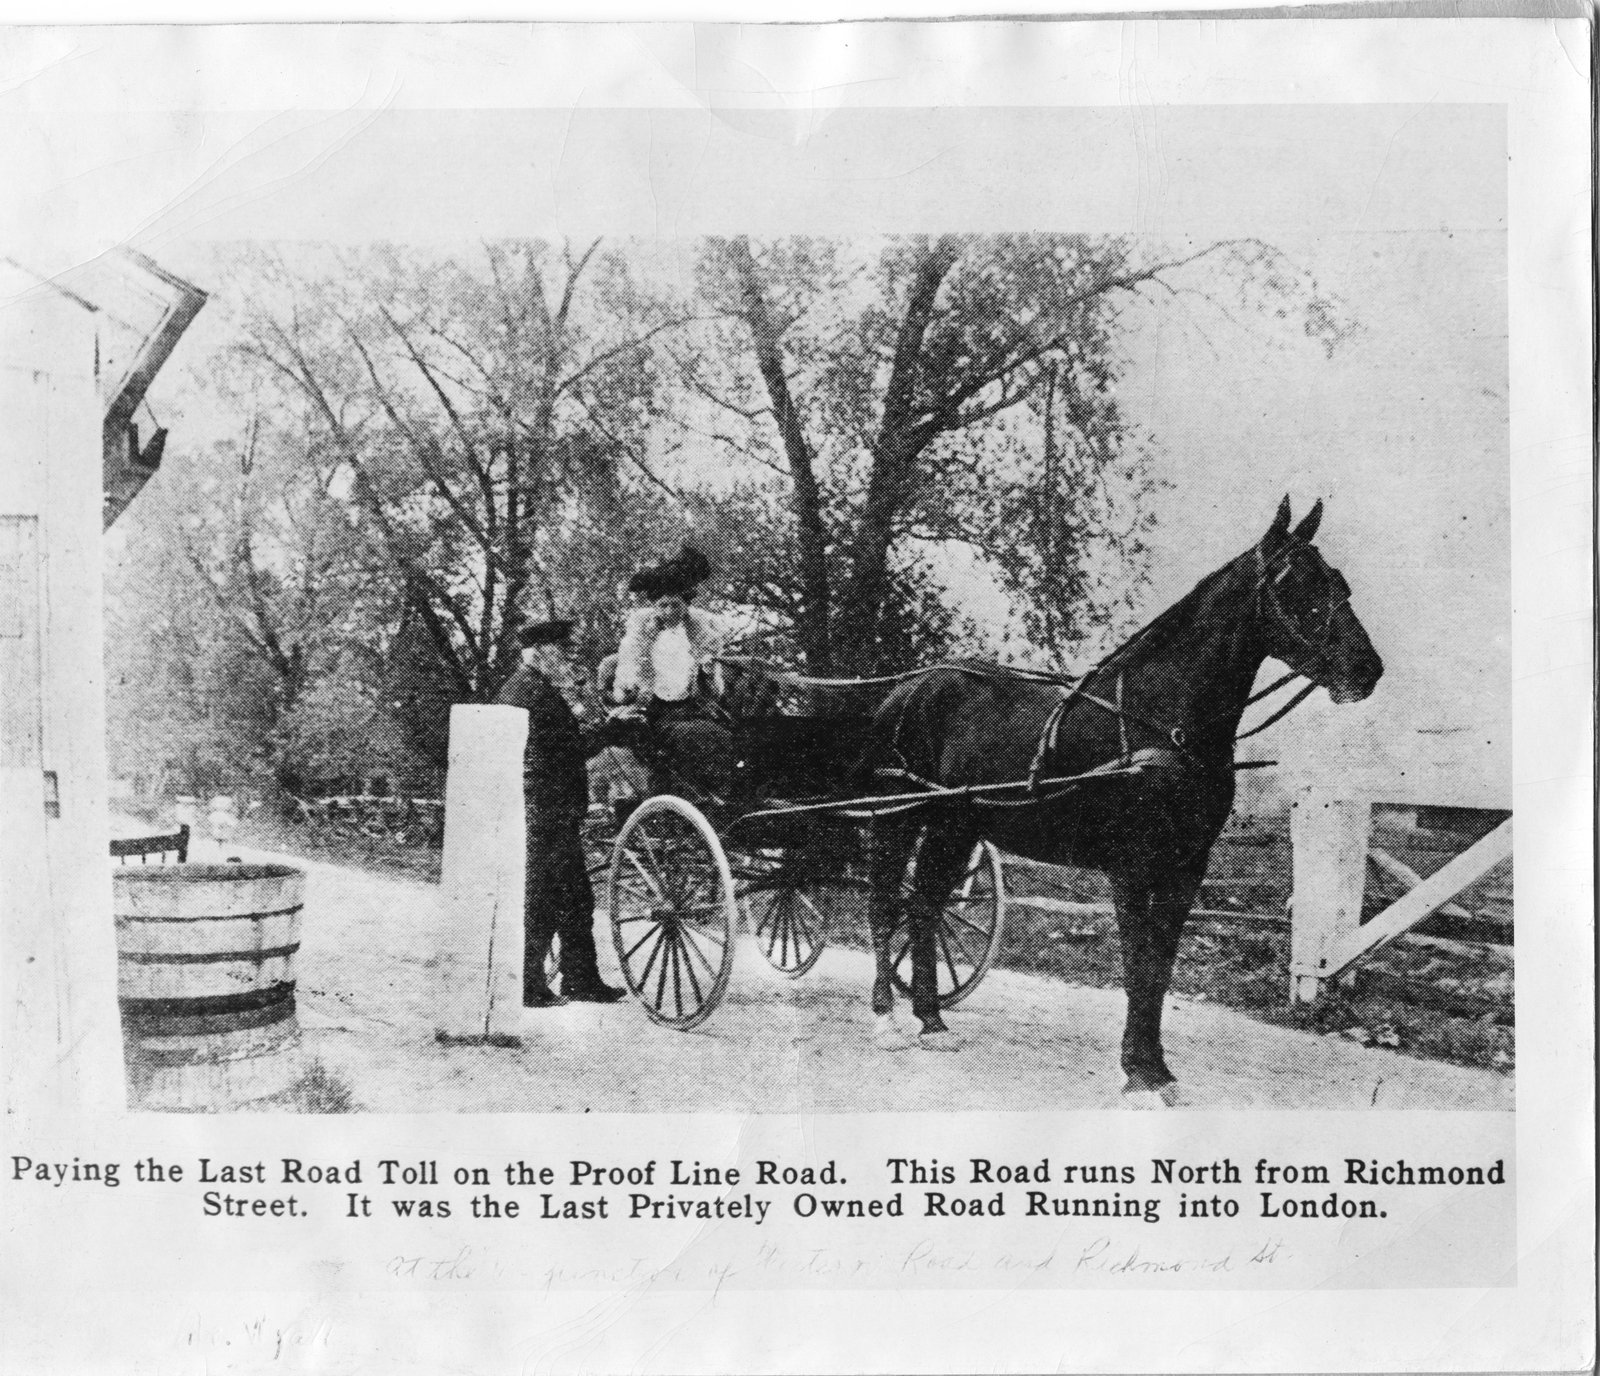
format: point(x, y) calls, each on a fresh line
point(478, 991)
point(1330, 834)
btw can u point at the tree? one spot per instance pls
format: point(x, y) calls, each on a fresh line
point(483, 417)
point(283, 605)
point(898, 394)
point(186, 702)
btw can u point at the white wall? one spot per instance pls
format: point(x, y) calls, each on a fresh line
point(60, 1043)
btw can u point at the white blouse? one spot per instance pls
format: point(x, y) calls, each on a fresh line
point(672, 664)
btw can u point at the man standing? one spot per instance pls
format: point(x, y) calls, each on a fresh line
point(558, 899)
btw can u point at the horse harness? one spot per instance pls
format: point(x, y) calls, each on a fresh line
point(1180, 756)
point(1039, 787)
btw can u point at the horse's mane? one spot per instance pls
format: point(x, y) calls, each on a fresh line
point(1156, 633)
point(766, 685)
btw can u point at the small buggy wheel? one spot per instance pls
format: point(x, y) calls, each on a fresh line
point(786, 916)
point(968, 935)
point(673, 914)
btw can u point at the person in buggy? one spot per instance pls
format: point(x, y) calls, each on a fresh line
point(667, 676)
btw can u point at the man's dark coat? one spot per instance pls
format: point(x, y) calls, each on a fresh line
point(555, 785)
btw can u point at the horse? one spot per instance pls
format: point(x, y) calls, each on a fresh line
point(1129, 771)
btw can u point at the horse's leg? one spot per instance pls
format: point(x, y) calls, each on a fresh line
point(1170, 903)
point(888, 847)
point(941, 861)
point(1149, 921)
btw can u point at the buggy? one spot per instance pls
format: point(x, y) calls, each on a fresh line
point(779, 854)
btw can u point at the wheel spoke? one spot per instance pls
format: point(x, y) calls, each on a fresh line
point(688, 970)
point(791, 931)
point(654, 930)
point(772, 920)
point(650, 847)
point(905, 950)
point(644, 975)
point(705, 883)
point(805, 939)
point(781, 930)
point(981, 931)
point(767, 927)
point(661, 976)
point(677, 978)
point(694, 938)
point(764, 919)
point(949, 962)
point(804, 922)
point(651, 881)
point(948, 936)
point(693, 944)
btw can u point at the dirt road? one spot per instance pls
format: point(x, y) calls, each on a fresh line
point(802, 1046)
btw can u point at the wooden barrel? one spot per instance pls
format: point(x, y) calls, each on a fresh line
point(205, 980)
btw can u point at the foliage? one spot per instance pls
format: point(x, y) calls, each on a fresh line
point(893, 400)
point(415, 450)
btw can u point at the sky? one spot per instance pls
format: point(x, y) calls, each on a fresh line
point(1398, 210)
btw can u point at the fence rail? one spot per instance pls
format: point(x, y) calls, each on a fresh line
point(391, 817)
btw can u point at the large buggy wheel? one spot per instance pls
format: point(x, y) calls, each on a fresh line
point(787, 917)
point(968, 935)
point(673, 914)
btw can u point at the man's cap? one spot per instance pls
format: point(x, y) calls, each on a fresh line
point(553, 632)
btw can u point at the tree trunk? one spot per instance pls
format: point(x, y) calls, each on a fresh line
point(816, 594)
point(895, 451)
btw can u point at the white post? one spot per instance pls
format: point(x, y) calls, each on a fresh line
point(478, 993)
point(1330, 835)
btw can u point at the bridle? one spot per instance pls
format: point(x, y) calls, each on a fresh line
point(1270, 604)
point(1267, 605)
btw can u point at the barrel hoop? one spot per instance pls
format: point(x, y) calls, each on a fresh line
point(189, 1024)
point(207, 957)
point(272, 995)
point(210, 917)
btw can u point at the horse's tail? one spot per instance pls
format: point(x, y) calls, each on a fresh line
point(899, 740)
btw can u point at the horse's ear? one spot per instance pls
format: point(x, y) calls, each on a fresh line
point(1279, 528)
point(1307, 529)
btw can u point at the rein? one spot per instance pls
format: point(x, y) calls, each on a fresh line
point(1076, 690)
point(1267, 602)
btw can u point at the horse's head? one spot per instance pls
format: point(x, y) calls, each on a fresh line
point(1305, 611)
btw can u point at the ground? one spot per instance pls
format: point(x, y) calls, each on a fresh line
point(1424, 996)
point(1031, 1041)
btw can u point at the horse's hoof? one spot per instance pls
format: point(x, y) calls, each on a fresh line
point(942, 1040)
point(887, 1034)
point(1163, 1098)
point(1144, 1099)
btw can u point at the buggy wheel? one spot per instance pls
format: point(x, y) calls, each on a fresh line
point(673, 915)
point(968, 935)
point(787, 920)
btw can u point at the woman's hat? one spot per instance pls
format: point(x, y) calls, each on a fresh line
point(553, 632)
point(678, 576)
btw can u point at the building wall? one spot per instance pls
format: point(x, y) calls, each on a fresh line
point(60, 1043)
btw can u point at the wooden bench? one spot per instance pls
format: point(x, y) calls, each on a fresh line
point(125, 848)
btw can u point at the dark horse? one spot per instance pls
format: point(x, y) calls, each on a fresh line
point(1153, 725)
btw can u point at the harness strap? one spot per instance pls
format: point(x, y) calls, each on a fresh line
point(1047, 736)
point(1282, 712)
point(1272, 687)
point(1122, 721)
